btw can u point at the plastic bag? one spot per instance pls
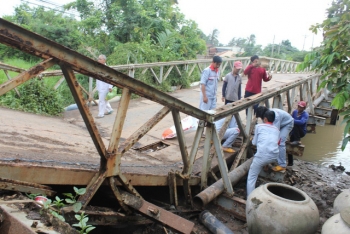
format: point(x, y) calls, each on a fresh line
point(189, 124)
point(112, 94)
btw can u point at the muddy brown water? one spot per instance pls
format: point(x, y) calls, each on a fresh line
point(324, 147)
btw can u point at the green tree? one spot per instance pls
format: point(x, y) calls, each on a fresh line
point(332, 58)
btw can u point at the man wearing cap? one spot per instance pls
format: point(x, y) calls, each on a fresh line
point(231, 89)
point(299, 129)
point(209, 85)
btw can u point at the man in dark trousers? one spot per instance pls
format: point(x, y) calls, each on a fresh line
point(299, 129)
point(231, 88)
point(255, 74)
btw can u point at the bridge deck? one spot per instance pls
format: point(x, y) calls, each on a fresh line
point(60, 150)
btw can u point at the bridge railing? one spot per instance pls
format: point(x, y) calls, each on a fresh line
point(161, 70)
point(72, 62)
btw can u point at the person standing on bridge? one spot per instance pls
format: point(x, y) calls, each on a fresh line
point(104, 108)
point(299, 129)
point(284, 122)
point(266, 138)
point(255, 74)
point(230, 135)
point(231, 88)
point(209, 84)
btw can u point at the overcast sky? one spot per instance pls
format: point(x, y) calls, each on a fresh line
point(269, 19)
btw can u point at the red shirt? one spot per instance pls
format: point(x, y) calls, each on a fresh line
point(255, 77)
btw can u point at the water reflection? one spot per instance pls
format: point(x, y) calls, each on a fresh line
point(324, 147)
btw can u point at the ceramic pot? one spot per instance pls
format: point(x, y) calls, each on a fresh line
point(278, 208)
point(339, 223)
point(342, 201)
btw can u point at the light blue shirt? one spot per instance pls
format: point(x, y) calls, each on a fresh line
point(266, 138)
point(219, 123)
point(282, 118)
point(210, 79)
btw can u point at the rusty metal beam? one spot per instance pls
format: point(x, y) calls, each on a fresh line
point(235, 205)
point(221, 161)
point(181, 138)
point(21, 186)
point(76, 176)
point(106, 217)
point(9, 78)
point(119, 121)
point(195, 145)
point(26, 75)
point(158, 214)
point(74, 86)
point(205, 161)
point(128, 143)
point(31, 43)
point(245, 103)
point(118, 195)
point(114, 158)
point(5, 66)
point(92, 188)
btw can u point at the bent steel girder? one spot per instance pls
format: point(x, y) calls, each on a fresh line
point(31, 43)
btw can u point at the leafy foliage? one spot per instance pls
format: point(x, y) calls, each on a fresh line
point(35, 97)
point(84, 227)
point(332, 59)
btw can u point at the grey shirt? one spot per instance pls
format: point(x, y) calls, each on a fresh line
point(231, 91)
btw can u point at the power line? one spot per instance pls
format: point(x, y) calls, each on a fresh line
point(55, 4)
point(62, 11)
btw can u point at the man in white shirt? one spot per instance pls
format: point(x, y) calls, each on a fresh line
point(104, 108)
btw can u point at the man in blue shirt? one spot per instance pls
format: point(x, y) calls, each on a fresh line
point(209, 85)
point(299, 129)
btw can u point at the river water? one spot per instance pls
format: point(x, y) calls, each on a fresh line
point(324, 147)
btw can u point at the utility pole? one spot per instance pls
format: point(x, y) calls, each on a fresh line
point(279, 48)
point(273, 43)
point(304, 41)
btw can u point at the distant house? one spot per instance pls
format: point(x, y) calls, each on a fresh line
point(224, 51)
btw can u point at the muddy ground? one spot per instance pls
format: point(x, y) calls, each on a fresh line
point(322, 184)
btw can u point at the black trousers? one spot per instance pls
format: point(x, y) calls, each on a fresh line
point(248, 94)
point(295, 135)
point(228, 101)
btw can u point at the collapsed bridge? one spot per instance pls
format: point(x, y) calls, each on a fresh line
point(120, 160)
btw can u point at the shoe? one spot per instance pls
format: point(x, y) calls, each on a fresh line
point(228, 150)
point(290, 165)
point(278, 168)
point(295, 143)
point(109, 112)
point(99, 116)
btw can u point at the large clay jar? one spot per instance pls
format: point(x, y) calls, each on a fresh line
point(342, 201)
point(275, 208)
point(339, 223)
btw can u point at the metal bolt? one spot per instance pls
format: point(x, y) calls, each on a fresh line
point(153, 211)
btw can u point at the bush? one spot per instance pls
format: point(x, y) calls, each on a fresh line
point(35, 97)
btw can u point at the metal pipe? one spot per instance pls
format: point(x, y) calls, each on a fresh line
point(207, 195)
point(213, 224)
